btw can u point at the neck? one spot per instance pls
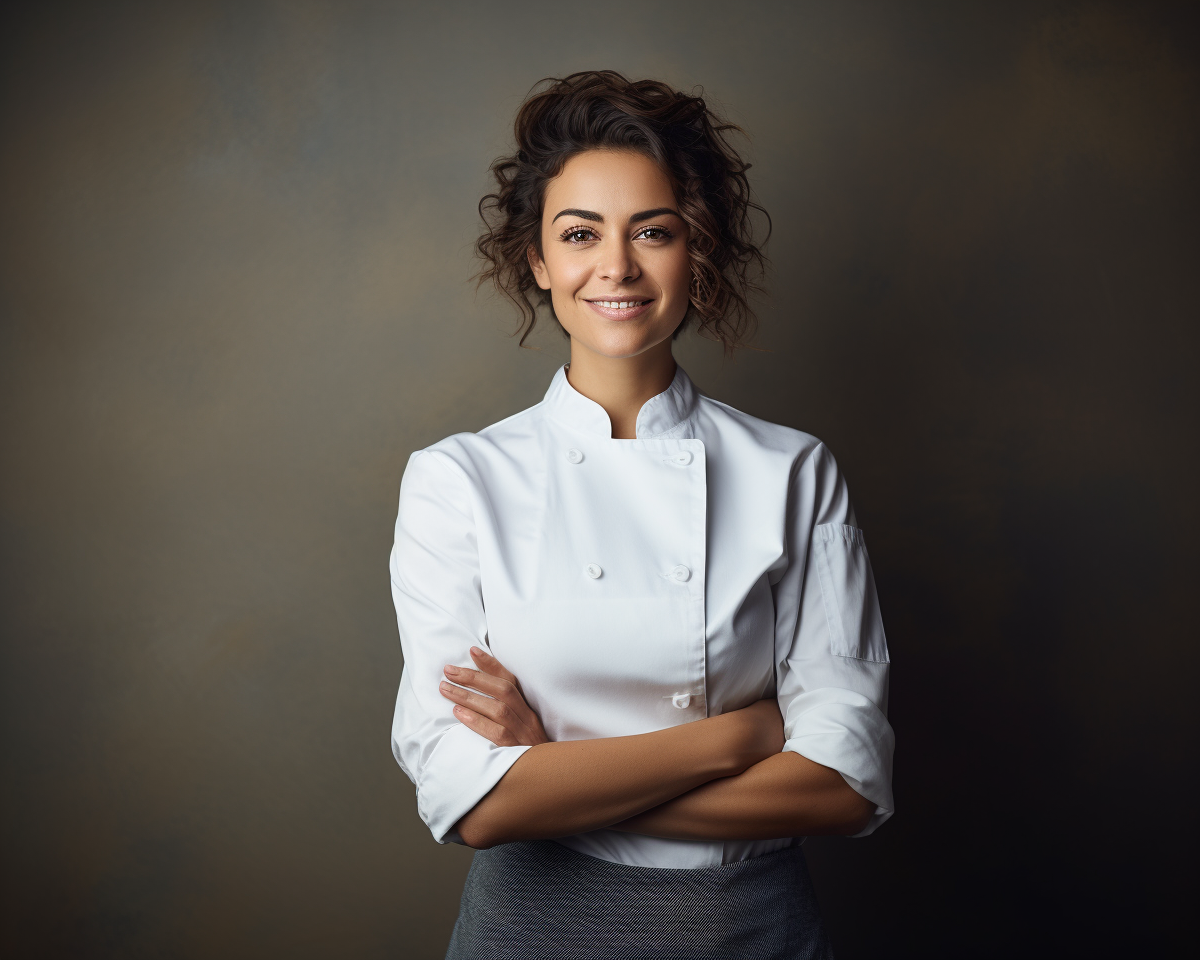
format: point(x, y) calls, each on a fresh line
point(621, 384)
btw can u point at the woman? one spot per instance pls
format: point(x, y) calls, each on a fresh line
point(642, 644)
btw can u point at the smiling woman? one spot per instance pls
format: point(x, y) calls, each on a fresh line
point(708, 190)
point(622, 267)
point(619, 272)
point(643, 652)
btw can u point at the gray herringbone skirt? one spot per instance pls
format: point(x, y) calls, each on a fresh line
point(537, 899)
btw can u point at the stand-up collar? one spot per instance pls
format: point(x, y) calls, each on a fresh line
point(666, 416)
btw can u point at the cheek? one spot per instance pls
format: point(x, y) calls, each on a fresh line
point(677, 274)
point(566, 273)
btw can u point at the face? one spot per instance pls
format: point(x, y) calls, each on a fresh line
point(614, 253)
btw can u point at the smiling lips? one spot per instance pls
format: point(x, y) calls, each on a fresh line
point(625, 309)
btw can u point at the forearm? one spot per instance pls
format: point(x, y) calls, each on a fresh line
point(786, 795)
point(567, 787)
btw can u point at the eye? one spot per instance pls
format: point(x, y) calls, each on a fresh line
point(578, 235)
point(653, 233)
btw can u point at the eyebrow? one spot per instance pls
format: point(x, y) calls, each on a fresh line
point(597, 218)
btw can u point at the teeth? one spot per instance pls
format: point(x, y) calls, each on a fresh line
point(618, 304)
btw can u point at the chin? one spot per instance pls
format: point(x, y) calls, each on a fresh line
point(619, 341)
point(621, 347)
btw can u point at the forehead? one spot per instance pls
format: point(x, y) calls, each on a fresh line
point(609, 182)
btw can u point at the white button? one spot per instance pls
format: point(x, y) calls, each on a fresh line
point(681, 573)
point(593, 570)
point(574, 456)
point(683, 459)
point(681, 700)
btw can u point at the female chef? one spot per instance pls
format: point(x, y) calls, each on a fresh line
point(642, 646)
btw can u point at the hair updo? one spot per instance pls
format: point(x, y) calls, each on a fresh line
point(601, 109)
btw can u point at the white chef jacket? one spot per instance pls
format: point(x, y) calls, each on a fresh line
point(632, 585)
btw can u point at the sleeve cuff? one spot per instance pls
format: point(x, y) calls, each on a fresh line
point(459, 772)
point(845, 731)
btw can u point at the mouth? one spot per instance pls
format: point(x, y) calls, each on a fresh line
point(620, 309)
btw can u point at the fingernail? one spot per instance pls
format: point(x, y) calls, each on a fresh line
point(446, 686)
point(478, 652)
point(451, 669)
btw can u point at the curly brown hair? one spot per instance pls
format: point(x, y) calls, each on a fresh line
point(601, 109)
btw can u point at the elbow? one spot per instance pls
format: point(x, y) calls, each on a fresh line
point(476, 833)
point(857, 814)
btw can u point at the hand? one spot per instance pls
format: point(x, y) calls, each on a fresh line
point(498, 712)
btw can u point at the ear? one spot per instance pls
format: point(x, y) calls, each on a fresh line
point(538, 266)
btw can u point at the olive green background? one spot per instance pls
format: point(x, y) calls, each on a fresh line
point(235, 242)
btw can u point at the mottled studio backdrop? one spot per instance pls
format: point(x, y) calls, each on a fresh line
point(234, 249)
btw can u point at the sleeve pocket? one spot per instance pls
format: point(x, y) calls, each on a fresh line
point(848, 590)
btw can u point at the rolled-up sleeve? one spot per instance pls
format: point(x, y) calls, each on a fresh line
point(439, 609)
point(831, 654)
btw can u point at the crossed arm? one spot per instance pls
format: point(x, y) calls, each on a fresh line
point(720, 778)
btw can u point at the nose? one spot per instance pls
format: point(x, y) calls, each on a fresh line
point(617, 263)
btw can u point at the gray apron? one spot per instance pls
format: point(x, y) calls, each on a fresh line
point(538, 899)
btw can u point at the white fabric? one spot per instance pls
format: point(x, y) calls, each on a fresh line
point(632, 585)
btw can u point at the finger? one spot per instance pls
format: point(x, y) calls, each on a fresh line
point(522, 724)
point(493, 686)
point(485, 683)
point(488, 729)
point(521, 720)
point(490, 665)
point(491, 708)
point(493, 667)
